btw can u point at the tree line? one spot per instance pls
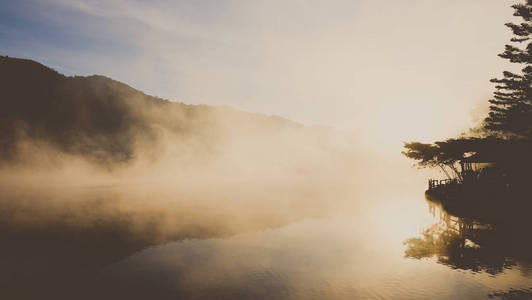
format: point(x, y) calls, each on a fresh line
point(504, 138)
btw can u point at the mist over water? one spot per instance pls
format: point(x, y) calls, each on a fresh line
point(78, 194)
point(108, 193)
point(311, 228)
point(230, 241)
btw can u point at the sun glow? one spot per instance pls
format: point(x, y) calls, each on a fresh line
point(401, 121)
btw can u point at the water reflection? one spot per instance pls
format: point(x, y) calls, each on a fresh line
point(81, 251)
point(467, 244)
point(512, 294)
point(58, 241)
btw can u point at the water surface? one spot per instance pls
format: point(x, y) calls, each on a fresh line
point(395, 245)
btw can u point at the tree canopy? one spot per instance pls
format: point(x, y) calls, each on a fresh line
point(447, 153)
point(506, 135)
point(511, 106)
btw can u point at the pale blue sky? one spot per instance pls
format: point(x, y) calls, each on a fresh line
point(358, 65)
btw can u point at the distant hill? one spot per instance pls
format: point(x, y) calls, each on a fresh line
point(106, 120)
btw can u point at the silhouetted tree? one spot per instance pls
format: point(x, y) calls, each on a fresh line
point(511, 110)
point(430, 155)
point(447, 153)
point(506, 134)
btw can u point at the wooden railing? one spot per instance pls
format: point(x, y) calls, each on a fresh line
point(434, 183)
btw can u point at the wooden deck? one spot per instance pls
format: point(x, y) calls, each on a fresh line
point(435, 183)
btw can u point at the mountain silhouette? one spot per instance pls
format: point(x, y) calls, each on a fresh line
point(105, 120)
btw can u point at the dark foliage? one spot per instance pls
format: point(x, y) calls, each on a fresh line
point(511, 109)
point(506, 137)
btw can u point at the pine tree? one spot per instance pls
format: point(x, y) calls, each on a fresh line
point(511, 109)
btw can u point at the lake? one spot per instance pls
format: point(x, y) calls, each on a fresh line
point(395, 245)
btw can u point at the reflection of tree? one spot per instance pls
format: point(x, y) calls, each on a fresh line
point(456, 249)
point(469, 245)
point(525, 294)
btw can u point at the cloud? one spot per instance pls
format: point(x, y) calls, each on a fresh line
point(334, 63)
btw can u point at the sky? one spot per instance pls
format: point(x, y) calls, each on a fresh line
point(391, 71)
